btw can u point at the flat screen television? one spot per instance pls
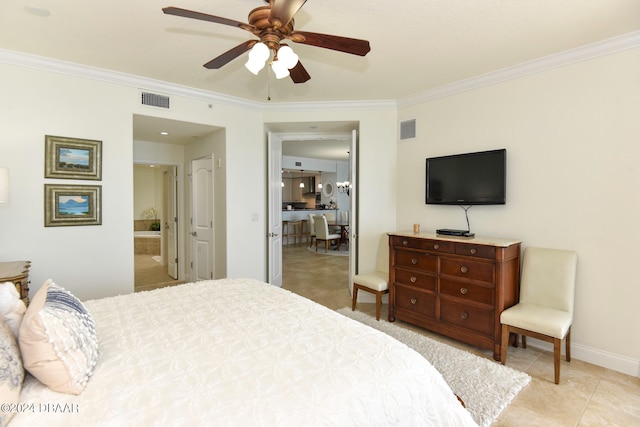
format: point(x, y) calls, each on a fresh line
point(467, 179)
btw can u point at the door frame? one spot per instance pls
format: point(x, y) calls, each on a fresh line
point(180, 200)
point(353, 136)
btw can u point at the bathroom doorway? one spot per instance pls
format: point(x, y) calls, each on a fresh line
point(155, 226)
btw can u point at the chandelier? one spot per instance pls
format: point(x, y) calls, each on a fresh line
point(343, 187)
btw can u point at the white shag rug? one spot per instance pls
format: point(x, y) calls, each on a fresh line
point(485, 386)
point(332, 250)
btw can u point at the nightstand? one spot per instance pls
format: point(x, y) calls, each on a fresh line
point(17, 272)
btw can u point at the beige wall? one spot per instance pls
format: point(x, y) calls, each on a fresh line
point(571, 136)
point(376, 168)
point(97, 261)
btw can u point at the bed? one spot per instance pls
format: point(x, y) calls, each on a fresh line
point(239, 352)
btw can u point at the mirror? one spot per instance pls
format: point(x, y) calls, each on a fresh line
point(327, 189)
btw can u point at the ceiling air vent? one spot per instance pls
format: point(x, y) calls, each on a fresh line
point(407, 129)
point(155, 100)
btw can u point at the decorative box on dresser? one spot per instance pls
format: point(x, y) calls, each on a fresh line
point(17, 272)
point(454, 286)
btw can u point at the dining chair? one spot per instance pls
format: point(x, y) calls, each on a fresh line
point(312, 229)
point(322, 232)
point(545, 309)
point(377, 281)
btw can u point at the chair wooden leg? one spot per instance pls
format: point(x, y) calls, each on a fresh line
point(378, 304)
point(556, 359)
point(354, 298)
point(504, 344)
point(568, 344)
point(524, 342)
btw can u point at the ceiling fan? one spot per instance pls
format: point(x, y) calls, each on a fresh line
point(272, 25)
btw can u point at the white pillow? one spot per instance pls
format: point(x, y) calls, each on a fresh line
point(58, 340)
point(11, 371)
point(12, 308)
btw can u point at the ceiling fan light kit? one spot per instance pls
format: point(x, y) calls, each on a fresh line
point(271, 25)
point(284, 59)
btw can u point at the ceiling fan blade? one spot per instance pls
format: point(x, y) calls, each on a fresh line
point(282, 11)
point(205, 17)
point(342, 44)
point(229, 55)
point(299, 74)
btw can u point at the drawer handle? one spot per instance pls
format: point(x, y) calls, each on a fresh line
point(414, 261)
point(464, 269)
point(413, 279)
point(464, 315)
point(414, 301)
point(464, 291)
point(473, 251)
point(436, 246)
point(405, 242)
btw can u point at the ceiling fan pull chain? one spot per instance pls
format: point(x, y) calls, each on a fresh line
point(268, 83)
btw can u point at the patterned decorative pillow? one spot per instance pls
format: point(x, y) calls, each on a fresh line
point(58, 340)
point(11, 371)
point(11, 306)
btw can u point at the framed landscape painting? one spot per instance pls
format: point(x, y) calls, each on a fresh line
point(66, 205)
point(72, 158)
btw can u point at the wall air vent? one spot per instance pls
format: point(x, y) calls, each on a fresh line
point(155, 100)
point(407, 129)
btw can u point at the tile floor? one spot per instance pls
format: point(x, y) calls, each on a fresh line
point(150, 274)
point(587, 395)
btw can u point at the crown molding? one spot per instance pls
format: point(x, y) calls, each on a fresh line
point(115, 77)
point(605, 47)
point(583, 53)
point(332, 105)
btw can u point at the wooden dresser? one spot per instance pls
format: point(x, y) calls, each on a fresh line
point(455, 286)
point(18, 273)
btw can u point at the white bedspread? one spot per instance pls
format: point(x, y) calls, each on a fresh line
point(243, 353)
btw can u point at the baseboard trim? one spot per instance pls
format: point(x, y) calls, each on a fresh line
point(606, 359)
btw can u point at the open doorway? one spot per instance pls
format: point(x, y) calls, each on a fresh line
point(170, 146)
point(155, 226)
point(326, 156)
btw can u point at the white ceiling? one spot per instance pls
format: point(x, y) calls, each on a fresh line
point(416, 45)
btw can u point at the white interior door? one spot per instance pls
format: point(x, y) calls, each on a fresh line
point(202, 248)
point(171, 222)
point(274, 233)
point(353, 205)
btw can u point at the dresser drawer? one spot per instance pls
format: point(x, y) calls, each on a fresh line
point(468, 291)
point(476, 270)
point(423, 303)
point(413, 278)
point(476, 319)
point(417, 260)
point(424, 244)
point(480, 251)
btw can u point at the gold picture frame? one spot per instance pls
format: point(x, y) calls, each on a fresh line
point(72, 158)
point(68, 205)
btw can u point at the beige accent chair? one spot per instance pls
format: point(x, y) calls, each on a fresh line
point(545, 310)
point(376, 282)
point(322, 232)
point(312, 229)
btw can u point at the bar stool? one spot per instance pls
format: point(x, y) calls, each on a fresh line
point(304, 230)
point(293, 228)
